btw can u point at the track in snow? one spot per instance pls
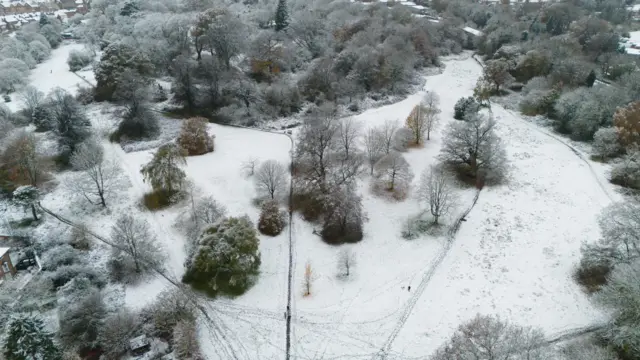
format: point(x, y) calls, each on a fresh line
point(426, 278)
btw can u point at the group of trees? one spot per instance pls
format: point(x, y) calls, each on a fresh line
point(237, 61)
point(489, 337)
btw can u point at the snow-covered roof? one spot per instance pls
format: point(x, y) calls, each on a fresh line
point(472, 31)
point(3, 251)
point(138, 342)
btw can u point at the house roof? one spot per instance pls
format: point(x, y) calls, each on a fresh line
point(472, 31)
point(3, 251)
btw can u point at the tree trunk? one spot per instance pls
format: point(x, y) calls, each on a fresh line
point(33, 212)
point(102, 201)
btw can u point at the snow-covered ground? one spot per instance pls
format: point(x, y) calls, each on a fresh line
point(514, 256)
point(55, 73)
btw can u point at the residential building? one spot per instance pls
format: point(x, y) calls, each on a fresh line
point(6, 267)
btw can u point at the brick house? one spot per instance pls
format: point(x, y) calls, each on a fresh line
point(6, 267)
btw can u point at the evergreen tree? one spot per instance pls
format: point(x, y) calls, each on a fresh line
point(282, 15)
point(27, 340)
point(163, 171)
point(129, 8)
point(44, 20)
point(591, 78)
point(226, 258)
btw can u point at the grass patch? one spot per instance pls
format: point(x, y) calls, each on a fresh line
point(160, 199)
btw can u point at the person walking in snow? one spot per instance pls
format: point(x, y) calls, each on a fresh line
point(409, 288)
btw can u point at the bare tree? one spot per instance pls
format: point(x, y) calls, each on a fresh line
point(32, 99)
point(271, 178)
point(308, 279)
point(436, 190)
point(374, 147)
point(343, 216)
point(387, 132)
point(346, 262)
point(135, 237)
point(475, 147)
point(489, 338)
point(394, 171)
point(208, 211)
point(431, 111)
point(89, 158)
point(348, 134)
point(249, 166)
point(315, 148)
point(22, 153)
point(116, 331)
point(620, 241)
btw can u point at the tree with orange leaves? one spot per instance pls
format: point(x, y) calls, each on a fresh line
point(627, 122)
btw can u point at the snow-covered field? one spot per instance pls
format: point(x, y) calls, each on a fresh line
point(514, 255)
point(55, 73)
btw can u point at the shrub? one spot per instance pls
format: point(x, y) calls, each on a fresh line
point(185, 341)
point(606, 143)
point(627, 172)
point(169, 308)
point(79, 238)
point(194, 138)
point(137, 123)
point(160, 199)
point(308, 204)
point(414, 227)
point(116, 331)
point(272, 220)
point(592, 276)
point(122, 269)
point(539, 102)
point(66, 273)
point(85, 95)
point(226, 258)
point(59, 256)
point(78, 60)
point(464, 107)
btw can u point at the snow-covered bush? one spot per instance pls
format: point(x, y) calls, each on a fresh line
point(66, 273)
point(491, 335)
point(39, 51)
point(137, 252)
point(606, 143)
point(226, 258)
point(627, 172)
point(13, 75)
point(78, 60)
point(465, 107)
point(80, 322)
point(27, 196)
point(272, 220)
point(59, 256)
point(194, 138)
point(414, 227)
point(567, 107)
point(116, 331)
point(185, 341)
point(621, 298)
point(169, 308)
point(79, 238)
